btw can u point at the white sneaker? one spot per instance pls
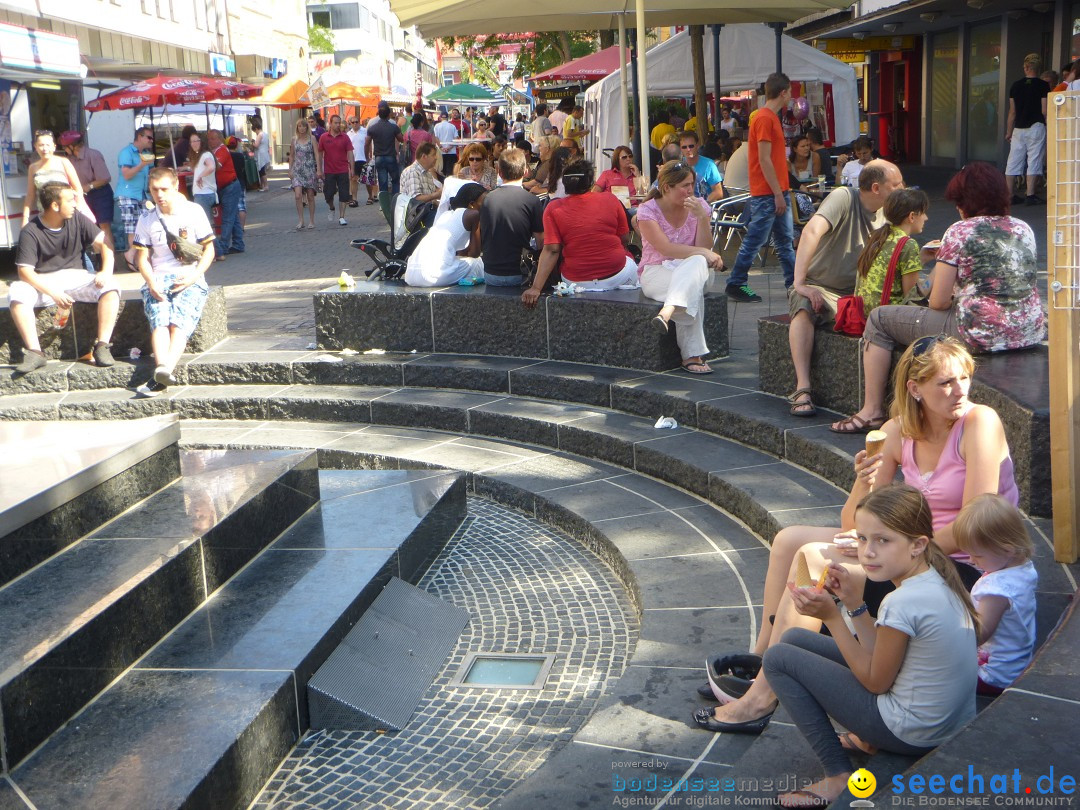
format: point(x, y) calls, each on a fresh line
point(341, 221)
point(163, 376)
point(330, 215)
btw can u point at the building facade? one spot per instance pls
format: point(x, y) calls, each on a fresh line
point(936, 73)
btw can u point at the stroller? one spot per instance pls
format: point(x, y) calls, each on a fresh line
point(411, 221)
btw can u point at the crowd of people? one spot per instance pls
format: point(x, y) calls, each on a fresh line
point(933, 574)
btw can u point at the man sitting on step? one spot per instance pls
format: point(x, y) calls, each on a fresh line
point(50, 264)
point(172, 252)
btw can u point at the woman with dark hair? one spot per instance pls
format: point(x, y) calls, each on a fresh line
point(623, 172)
point(417, 135)
point(540, 182)
point(203, 178)
point(589, 233)
point(676, 257)
point(179, 154)
point(560, 158)
point(451, 249)
point(983, 291)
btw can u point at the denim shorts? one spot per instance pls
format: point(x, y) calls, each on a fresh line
point(181, 310)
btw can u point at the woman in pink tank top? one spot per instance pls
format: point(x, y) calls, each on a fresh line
point(946, 446)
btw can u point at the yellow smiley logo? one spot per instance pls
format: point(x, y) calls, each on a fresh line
point(861, 783)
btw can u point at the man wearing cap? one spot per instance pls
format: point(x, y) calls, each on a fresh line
point(444, 133)
point(1026, 128)
point(231, 239)
point(336, 162)
point(381, 147)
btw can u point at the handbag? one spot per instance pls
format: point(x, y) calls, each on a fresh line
point(185, 251)
point(850, 309)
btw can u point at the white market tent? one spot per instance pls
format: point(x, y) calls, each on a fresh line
point(747, 57)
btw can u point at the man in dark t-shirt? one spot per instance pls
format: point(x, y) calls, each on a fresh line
point(497, 121)
point(50, 264)
point(1026, 128)
point(380, 148)
point(509, 218)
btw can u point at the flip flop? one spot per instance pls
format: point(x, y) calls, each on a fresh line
point(701, 364)
point(811, 799)
point(854, 425)
point(660, 325)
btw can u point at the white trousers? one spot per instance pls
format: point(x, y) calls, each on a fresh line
point(681, 283)
point(628, 275)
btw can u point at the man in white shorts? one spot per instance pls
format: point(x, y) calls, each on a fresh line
point(1026, 129)
point(50, 263)
point(175, 289)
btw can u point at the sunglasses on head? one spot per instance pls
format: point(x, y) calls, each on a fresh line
point(925, 344)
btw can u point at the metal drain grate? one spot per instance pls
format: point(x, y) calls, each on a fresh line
point(377, 676)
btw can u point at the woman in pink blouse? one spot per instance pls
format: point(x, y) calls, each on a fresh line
point(676, 259)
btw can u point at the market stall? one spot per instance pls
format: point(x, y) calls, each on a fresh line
point(40, 83)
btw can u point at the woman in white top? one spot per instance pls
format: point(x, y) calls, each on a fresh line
point(451, 249)
point(204, 179)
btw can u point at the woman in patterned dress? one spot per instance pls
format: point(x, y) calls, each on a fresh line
point(983, 292)
point(304, 172)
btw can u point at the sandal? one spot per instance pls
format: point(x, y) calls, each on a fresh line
point(299, 227)
point(805, 407)
point(660, 325)
point(854, 425)
point(700, 365)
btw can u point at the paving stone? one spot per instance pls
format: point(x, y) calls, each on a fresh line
point(686, 460)
point(463, 373)
point(441, 410)
point(571, 382)
point(687, 638)
point(359, 369)
point(609, 437)
point(669, 395)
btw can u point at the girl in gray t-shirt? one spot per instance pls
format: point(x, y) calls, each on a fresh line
point(906, 681)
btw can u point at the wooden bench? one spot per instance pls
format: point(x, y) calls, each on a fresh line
point(132, 331)
point(1015, 384)
point(607, 328)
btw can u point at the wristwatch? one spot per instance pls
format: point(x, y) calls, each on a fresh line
point(859, 611)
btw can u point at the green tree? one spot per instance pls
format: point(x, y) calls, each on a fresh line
point(320, 39)
point(539, 51)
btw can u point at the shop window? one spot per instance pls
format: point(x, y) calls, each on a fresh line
point(984, 85)
point(943, 96)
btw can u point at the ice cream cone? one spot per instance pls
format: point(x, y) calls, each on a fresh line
point(875, 440)
point(802, 572)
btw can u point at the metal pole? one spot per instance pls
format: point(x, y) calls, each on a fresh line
point(778, 27)
point(624, 111)
point(643, 92)
point(716, 75)
point(637, 145)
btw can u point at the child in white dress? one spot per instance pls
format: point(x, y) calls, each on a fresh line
point(990, 530)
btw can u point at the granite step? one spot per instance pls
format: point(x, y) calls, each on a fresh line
point(79, 619)
point(214, 707)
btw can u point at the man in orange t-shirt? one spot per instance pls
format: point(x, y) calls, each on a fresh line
point(769, 205)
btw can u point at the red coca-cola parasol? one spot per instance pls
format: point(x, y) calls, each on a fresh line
point(164, 90)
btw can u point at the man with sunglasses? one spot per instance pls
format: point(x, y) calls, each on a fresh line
point(707, 183)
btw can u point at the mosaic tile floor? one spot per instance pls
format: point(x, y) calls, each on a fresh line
point(528, 589)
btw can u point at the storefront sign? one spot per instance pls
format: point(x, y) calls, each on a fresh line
point(850, 45)
point(31, 50)
point(222, 65)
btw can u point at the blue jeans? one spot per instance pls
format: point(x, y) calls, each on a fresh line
point(764, 221)
point(493, 280)
point(232, 233)
point(206, 203)
point(389, 172)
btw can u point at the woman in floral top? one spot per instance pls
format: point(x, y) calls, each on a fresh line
point(983, 290)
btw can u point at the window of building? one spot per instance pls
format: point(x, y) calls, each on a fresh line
point(344, 15)
point(984, 84)
point(365, 18)
point(943, 97)
point(319, 18)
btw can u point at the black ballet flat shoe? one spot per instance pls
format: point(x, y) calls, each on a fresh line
point(704, 718)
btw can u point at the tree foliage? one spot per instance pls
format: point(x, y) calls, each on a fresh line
point(539, 51)
point(320, 39)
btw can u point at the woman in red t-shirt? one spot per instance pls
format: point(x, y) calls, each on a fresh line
point(588, 233)
point(623, 172)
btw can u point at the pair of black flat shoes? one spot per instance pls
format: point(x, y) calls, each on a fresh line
point(730, 677)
